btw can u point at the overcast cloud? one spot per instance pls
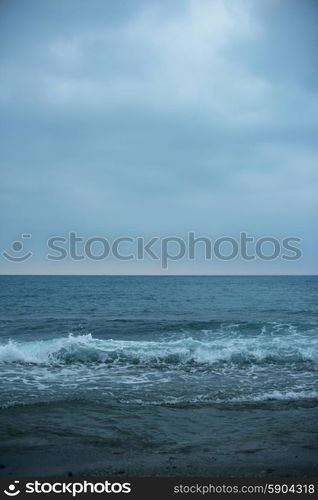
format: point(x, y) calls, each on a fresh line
point(154, 118)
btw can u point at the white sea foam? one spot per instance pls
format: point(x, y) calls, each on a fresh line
point(237, 350)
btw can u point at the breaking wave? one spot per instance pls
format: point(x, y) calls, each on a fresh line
point(85, 349)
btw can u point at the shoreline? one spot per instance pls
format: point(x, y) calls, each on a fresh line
point(285, 462)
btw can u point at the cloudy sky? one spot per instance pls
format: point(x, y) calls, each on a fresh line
point(155, 118)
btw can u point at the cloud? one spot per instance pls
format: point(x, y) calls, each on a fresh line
point(167, 63)
point(159, 116)
point(195, 60)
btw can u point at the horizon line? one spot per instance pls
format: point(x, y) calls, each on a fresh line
point(163, 275)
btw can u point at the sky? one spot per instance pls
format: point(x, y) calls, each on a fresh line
point(145, 118)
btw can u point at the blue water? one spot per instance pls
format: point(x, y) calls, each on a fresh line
point(118, 361)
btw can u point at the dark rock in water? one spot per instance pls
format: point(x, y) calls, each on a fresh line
point(70, 474)
point(2, 466)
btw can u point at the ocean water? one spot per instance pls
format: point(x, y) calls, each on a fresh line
point(96, 365)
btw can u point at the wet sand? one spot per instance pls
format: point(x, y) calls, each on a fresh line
point(245, 462)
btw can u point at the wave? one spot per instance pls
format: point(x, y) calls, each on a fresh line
point(86, 350)
point(203, 400)
point(200, 401)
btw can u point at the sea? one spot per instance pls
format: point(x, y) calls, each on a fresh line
point(103, 370)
